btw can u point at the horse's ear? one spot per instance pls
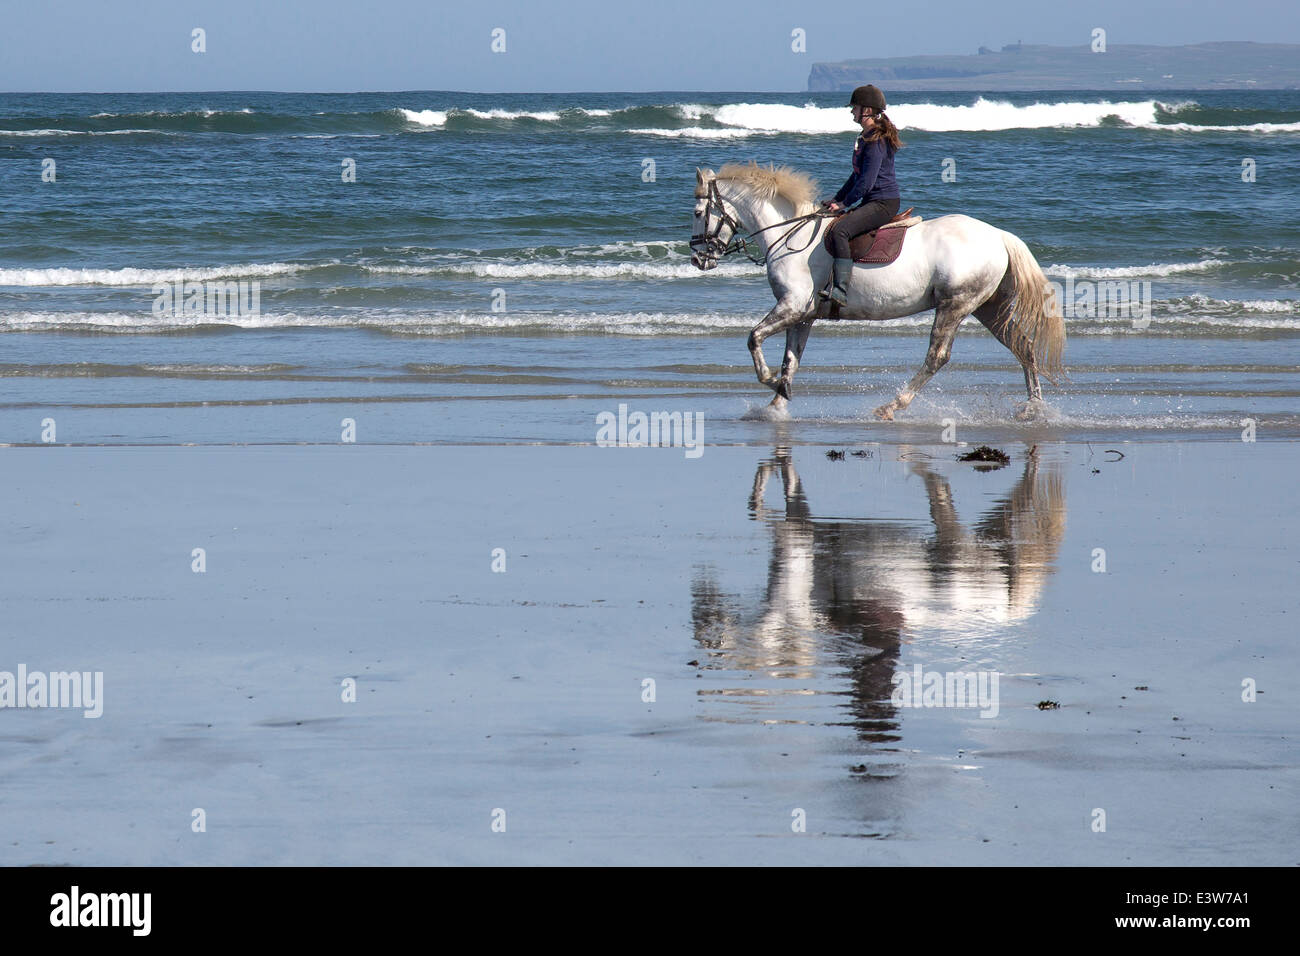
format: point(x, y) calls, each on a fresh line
point(699, 176)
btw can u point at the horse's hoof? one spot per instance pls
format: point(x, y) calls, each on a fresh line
point(783, 389)
point(885, 413)
point(776, 411)
point(1032, 411)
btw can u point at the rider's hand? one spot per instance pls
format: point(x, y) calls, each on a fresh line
point(832, 205)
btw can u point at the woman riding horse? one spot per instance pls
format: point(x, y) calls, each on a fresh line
point(872, 184)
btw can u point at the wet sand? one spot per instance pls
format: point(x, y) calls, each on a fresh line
point(770, 593)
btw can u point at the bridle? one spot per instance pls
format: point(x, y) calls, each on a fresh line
point(710, 239)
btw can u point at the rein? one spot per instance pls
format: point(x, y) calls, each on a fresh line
point(720, 250)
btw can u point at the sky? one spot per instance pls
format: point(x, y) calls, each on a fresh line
point(555, 45)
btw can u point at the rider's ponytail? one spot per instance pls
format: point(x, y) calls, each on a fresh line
point(886, 130)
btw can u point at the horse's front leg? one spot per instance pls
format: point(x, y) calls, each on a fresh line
point(796, 337)
point(784, 314)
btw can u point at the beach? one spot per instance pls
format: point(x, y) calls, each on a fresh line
point(387, 486)
point(769, 592)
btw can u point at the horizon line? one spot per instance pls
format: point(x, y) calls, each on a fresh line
point(969, 89)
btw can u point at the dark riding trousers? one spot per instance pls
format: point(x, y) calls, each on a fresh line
point(868, 216)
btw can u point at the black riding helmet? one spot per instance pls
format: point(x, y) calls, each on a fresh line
point(869, 96)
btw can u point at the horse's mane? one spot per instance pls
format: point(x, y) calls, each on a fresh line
point(771, 181)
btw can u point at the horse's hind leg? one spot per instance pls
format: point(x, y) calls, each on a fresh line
point(947, 317)
point(992, 316)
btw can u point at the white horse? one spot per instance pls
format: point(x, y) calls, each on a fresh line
point(956, 265)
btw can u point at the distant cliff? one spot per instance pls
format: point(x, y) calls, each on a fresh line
point(1205, 66)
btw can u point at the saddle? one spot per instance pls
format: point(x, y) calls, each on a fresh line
point(882, 245)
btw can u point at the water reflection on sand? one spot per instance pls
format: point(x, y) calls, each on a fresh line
point(843, 591)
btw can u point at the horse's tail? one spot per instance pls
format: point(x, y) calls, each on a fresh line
point(1033, 309)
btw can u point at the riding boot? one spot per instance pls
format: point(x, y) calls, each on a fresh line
point(839, 292)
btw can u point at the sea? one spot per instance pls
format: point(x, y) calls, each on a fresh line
point(486, 268)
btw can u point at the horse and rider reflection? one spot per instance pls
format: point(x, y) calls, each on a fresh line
point(842, 593)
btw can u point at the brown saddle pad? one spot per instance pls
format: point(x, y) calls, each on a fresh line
point(880, 246)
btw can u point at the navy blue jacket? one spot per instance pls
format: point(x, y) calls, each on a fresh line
point(873, 174)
